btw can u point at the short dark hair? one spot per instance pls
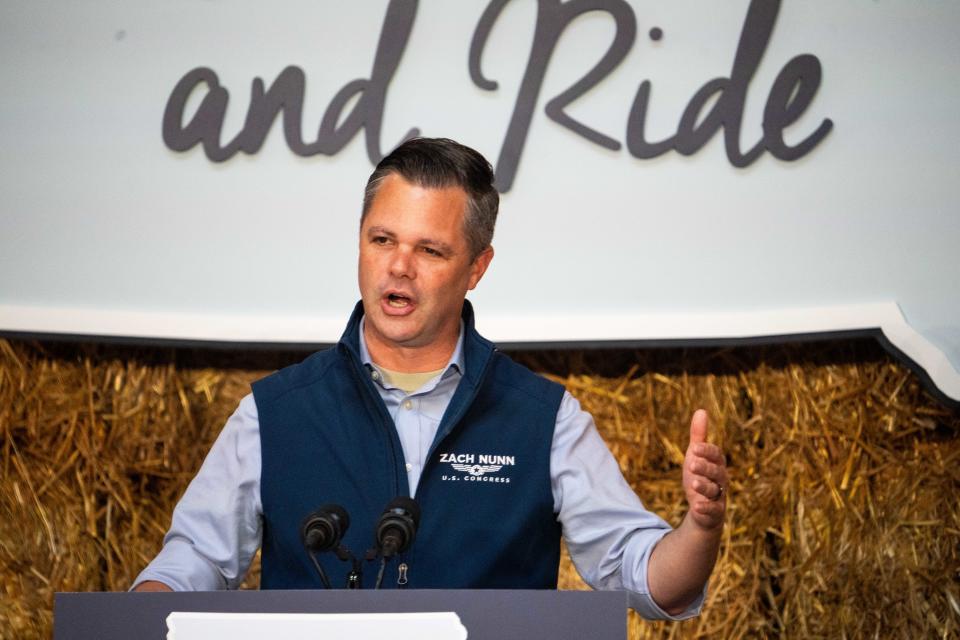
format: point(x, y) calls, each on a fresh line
point(437, 163)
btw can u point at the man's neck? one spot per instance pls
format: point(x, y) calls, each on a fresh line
point(410, 359)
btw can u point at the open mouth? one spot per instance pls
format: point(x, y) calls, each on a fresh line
point(398, 301)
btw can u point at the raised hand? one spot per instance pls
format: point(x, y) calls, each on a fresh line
point(704, 476)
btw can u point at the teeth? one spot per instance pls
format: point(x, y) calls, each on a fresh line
point(399, 303)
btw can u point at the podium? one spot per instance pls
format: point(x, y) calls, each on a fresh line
point(486, 614)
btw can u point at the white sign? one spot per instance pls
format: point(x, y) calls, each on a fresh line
point(313, 626)
point(684, 170)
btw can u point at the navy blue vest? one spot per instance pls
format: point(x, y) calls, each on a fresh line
point(487, 508)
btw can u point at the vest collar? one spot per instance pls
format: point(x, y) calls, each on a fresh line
point(476, 349)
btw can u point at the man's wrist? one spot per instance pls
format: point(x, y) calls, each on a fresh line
point(704, 535)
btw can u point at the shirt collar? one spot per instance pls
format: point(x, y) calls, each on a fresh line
point(456, 358)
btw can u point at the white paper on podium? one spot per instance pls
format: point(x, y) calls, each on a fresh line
point(190, 625)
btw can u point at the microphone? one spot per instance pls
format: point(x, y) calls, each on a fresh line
point(398, 526)
point(322, 531)
point(396, 530)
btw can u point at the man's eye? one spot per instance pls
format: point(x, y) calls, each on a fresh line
point(380, 240)
point(432, 252)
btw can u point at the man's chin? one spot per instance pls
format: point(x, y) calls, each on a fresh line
point(401, 331)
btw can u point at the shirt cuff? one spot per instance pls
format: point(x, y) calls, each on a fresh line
point(182, 569)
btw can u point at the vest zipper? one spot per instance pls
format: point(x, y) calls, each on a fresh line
point(455, 419)
point(403, 567)
point(386, 422)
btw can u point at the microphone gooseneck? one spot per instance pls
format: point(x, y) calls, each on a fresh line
point(396, 530)
point(322, 531)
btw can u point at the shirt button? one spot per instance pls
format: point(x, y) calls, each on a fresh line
point(409, 467)
point(408, 404)
point(375, 374)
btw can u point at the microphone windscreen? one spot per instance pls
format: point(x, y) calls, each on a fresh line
point(323, 529)
point(408, 505)
point(341, 513)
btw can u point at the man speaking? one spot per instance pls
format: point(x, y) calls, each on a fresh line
point(414, 402)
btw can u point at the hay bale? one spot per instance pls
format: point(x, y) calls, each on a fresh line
point(843, 519)
point(842, 507)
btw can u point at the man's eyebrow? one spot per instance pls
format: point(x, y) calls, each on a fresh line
point(379, 231)
point(441, 246)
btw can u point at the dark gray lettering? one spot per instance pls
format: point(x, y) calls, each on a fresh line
point(719, 103)
point(285, 96)
point(553, 17)
point(791, 94)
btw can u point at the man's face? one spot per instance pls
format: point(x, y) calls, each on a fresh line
point(415, 266)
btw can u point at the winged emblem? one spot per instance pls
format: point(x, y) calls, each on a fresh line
point(477, 469)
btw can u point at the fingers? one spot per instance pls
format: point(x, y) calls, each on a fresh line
point(710, 507)
point(708, 479)
point(705, 475)
point(714, 472)
point(698, 427)
point(708, 514)
point(709, 451)
point(705, 463)
point(709, 489)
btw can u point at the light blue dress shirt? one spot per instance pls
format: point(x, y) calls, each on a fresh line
point(216, 528)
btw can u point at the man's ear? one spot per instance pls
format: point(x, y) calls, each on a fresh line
point(479, 267)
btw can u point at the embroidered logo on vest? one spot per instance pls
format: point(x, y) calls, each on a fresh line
point(476, 467)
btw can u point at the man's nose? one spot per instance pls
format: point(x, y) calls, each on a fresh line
point(402, 264)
